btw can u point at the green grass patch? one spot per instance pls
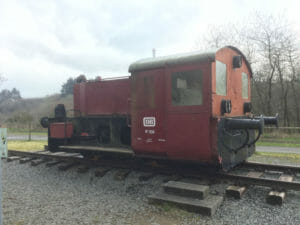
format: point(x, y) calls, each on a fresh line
point(276, 154)
point(25, 133)
point(281, 140)
point(277, 144)
point(276, 158)
point(26, 145)
point(167, 206)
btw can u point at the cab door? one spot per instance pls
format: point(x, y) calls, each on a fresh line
point(188, 111)
point(148, 112)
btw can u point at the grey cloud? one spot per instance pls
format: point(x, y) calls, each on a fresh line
point(90, 61)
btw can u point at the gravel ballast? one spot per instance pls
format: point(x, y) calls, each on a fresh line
point(44, 195)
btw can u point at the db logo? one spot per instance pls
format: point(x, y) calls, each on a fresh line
point(149, 121)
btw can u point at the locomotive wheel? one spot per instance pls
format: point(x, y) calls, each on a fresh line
point(52, 148)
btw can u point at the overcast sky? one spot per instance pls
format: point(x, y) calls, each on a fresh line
point(42, 43)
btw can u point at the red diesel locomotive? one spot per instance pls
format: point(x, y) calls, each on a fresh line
point(191, 107)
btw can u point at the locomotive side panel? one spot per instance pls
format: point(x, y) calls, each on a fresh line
point(102, 97)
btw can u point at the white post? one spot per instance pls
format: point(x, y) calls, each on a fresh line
point(0, 192)
point(3, 153)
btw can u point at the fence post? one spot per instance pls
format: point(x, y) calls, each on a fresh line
point(3, 153)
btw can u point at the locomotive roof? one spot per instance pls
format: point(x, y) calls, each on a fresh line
point(197, 56)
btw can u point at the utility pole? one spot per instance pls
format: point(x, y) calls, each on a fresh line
point(153, 52)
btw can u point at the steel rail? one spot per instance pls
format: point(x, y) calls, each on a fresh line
point(172, 169)
point(273, 183)
point(256, 165)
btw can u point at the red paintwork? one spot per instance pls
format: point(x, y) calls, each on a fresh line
point(185, 132)
point(102, 97)
point(180, 132)
point(234, 84)
point(58, 130)
point(142, 142)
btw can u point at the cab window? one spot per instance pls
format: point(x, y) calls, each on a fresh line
point(221, 78)
point(245, 85)
point(187, 88)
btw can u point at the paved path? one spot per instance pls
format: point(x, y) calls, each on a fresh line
point(258, 148)
point(25, 137)
point(277, 149)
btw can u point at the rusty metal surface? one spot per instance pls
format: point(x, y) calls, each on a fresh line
point(179, 132)
point(61, 130)
point(186, 132)
point(159, 126)
point(178, 59)
point(102, 97)
point(234, 84)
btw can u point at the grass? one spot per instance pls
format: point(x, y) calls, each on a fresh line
point(276, 158)
point(276, 154)
point(279, 139)
point(26, 145)
point(281, 136)
point(16, 133)
point(278, 144)
point(295, 140)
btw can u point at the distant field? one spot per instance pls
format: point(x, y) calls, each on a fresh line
point(26, 145)
point(276, 158)
point(278, 144)
point(280, 139)
point(267, 139)
point(21, 133)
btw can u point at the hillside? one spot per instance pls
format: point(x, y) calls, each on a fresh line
point(14, 112)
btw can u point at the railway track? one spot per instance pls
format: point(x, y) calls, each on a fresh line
point(278, 177)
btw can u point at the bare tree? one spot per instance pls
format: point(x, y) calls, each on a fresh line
point(269, 44)
point(293, 63)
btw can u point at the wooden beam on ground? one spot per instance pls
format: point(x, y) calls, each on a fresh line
point(50, 164)
point(37, 162)
point(146, 177)
point(100, 172)
point(25, 160)
point(255, 174)
point(235, 191)
point(173, 177)
point(287, 178)
point(277, 197)
point(12, 158)
point(83, 169)
point(67, 166)
point(121, 174)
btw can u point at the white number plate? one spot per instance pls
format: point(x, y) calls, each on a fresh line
point(149, 121)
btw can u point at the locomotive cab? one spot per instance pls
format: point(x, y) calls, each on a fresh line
point(195, 107)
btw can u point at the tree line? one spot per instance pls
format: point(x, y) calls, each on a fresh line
point(271, 46)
